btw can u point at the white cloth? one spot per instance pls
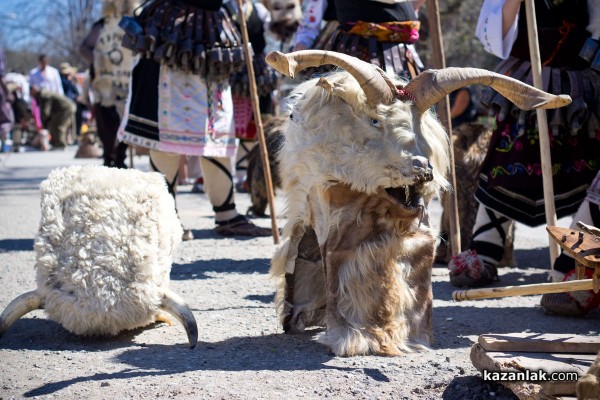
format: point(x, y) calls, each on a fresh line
point(594, 25)
point(21, 82)
point(312, 17)
point(48, 79)
point(489, 29)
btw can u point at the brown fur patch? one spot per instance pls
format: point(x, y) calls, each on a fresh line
point(377, 265)
point(273, 128)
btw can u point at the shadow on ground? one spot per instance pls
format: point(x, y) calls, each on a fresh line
point(475, 388)
point(16, 245)
point(278, 352)
point(200, 269)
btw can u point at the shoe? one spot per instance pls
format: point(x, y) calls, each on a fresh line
point(198, 185)
point(468, 270)
point(240, 226)
point(242, 187)
point(187, 235)
point(571, 304)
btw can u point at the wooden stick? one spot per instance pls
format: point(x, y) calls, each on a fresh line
point(545, 159)
point(258, 121)
point(450, 200)
point(130, 149)
point(522, 290)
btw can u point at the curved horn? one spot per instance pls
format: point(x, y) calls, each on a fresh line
point(374, 82)
point(432, 85)
point(20, 306)
point(174, 305)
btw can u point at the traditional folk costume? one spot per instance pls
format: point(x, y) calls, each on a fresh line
point(510, 185)
point(258, 20)
point(382, 33)
point(180, 98)
point(110, 74)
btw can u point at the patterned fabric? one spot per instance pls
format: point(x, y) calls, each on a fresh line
point(396, 59)
point(511, 176)
point(243, 116)
point(195, 118)
point(396, 31)
point(179, 113)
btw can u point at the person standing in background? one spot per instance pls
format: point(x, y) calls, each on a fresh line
point(7, 118)
point(45, 76)
point(258, 20)
point(72, 91)
point(180, 100)
point(510, 184)
point(110, 73)
point(377, 31)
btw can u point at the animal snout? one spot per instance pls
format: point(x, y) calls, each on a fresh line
point(422, 169)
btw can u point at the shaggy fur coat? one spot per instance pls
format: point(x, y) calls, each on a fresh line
point(358, 248)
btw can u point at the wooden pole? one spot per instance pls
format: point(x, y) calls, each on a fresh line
point(258, 120)
point(449, 200)
point(545, 159)
point(523, 290)
point(130, 149)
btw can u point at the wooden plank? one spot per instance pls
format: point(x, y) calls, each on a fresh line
point(520, 361)
point(584, 247)
point(540, 343)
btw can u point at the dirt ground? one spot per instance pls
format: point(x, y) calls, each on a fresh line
point(242, 351)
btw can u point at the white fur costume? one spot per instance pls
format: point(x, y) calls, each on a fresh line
point(104, 251)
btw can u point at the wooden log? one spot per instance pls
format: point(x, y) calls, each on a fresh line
point(521, 362)
point(588, 386)
point(522, 290)
point(540, 343)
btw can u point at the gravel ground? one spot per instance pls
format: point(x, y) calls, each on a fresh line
point(242, 351)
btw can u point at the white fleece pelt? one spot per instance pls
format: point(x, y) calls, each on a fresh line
point(104, 247)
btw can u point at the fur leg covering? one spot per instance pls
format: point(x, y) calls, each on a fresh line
point(377, 259)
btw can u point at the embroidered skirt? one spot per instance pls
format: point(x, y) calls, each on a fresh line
point(266, 82)
point(178, 112)
point(511, 177)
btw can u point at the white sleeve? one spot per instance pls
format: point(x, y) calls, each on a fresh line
point(311, 23)
point(489, 29)
point(58, 88)
point(264, 15)
point(594, 21)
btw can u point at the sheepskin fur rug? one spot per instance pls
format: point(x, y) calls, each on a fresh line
point(104, 247)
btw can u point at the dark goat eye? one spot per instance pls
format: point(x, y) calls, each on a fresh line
point(376, 123)
point(292, 117)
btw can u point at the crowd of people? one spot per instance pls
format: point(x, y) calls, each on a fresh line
point(169, 77)
point(44, 109)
